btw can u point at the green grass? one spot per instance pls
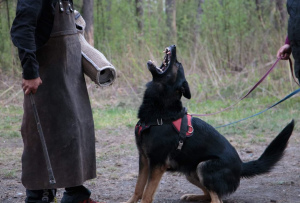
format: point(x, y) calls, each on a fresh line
point(108, 118)
point(10, 174)
point(271, 121)
point(11, 118)
point(10, 121)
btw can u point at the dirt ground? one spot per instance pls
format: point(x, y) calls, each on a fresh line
point(117, 167)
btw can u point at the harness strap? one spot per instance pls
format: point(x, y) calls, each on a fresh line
point(182, 125)
point(182, 133)
point(177, 125)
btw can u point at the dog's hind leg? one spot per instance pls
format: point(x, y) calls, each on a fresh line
point(215, 198)
point(194, 179)
point(141, 180)
point(220, 177)
point(153, 181)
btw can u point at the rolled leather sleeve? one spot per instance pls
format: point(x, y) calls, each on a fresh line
point(23, 35)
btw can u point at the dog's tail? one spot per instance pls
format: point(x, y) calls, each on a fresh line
point(273, 153)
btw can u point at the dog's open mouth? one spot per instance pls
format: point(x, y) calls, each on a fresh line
point(165, 64)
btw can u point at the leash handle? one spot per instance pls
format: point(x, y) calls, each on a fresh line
point(42, 138)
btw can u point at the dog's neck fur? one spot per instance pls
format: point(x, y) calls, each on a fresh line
point(157, 105)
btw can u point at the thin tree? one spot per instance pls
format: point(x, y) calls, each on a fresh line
point(198, 22)
point(139, 12)
point(12, 49)
point(171, 20)
point(88, 15)
point(259, 12)
point(280, 5)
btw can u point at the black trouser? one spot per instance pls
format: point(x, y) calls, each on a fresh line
point(71, 195)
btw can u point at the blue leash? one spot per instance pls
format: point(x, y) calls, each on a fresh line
point(282, 100)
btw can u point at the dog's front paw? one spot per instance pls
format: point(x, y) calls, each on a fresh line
point(192, 197)
point(133, 199)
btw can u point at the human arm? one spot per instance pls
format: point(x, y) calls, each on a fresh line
point(23, 37)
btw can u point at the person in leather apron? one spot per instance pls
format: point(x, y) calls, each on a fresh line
point(50, 53)
point(292, 42)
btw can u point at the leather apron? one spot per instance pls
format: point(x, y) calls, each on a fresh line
point(65, 113)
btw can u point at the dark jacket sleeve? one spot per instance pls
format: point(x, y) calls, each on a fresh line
point(287, 41)
point(23, 35)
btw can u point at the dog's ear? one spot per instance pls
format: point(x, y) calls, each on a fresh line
point(185, 89)
point(183, 84)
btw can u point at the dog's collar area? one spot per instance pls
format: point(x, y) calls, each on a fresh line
point(183, 126)
point(176, 124)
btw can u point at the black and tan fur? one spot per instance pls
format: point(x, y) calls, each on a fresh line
point(207, 159)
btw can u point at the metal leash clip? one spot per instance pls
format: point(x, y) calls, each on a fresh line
point(180, 145)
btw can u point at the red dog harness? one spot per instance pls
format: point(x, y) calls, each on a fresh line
point(177, 125)
point(183, 126)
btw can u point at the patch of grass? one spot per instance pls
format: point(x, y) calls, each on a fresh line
point(271, 121)
point(10, 174)
point(10, 121)
point(113, 117)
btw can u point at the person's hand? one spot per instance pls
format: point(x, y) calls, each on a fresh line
point(284, 52)
point(31, 85)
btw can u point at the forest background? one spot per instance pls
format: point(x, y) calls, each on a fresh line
point(225, 46)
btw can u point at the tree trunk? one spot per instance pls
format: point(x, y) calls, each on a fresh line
point(171, 20)
point(259, 12)
point(280, 5)
point(8, 17)
point(88, 15)
point(12, 49)
point(139, 12)
point(197, 24)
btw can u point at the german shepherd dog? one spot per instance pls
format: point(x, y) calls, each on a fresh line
point(206, 158)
